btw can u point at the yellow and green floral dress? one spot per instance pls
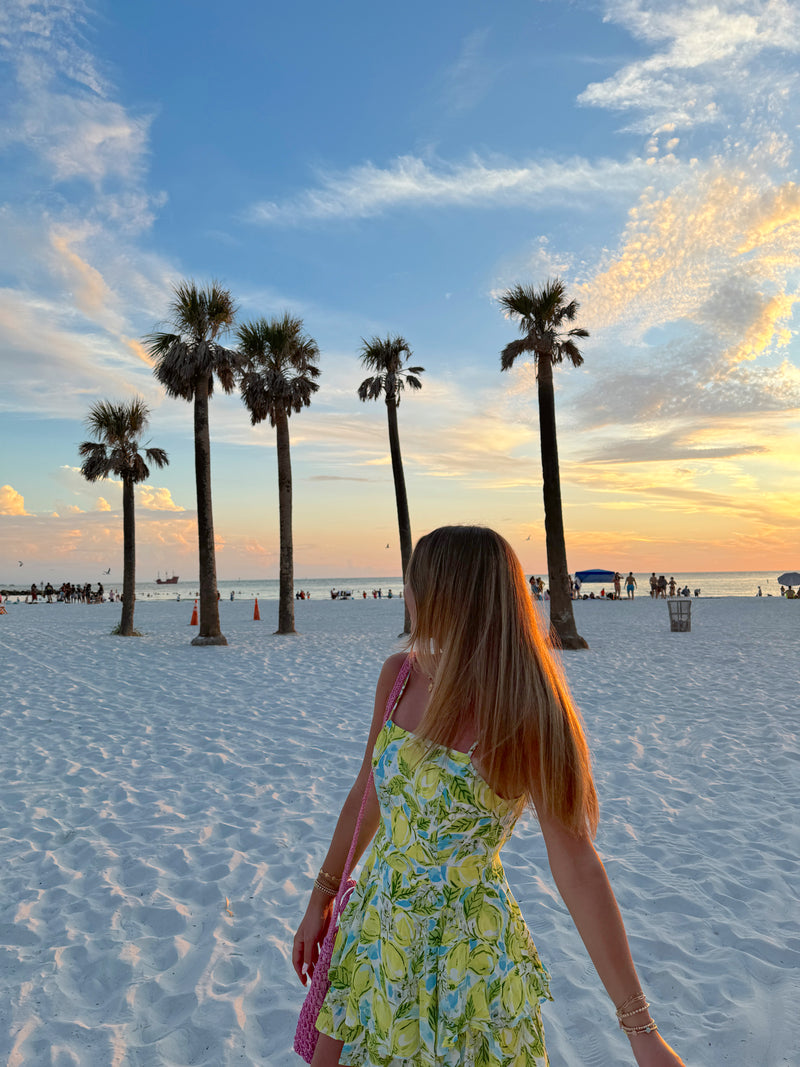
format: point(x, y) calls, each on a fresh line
point(433, 964)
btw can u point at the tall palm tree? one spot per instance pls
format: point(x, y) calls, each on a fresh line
point(386, 357)
point(278, 376)
point(186, 363)
point(118, 429)
point(541, 314)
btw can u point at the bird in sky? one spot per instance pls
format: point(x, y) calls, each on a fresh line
point(528, 537)
point(387, 546)
point(20, 562)
point(108, 571)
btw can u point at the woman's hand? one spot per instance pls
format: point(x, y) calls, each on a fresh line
point(651, 1050)
point(310, 935)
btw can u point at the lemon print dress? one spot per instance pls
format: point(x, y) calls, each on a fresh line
point(433, 964)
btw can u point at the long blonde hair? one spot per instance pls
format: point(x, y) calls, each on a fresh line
point(477, 636)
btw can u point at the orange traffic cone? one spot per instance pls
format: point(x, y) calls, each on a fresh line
point(194, 615)
point(256, 613)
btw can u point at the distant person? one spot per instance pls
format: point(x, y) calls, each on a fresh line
point(653, 585)
point(672, 587)
point(617, 584)
point(759, 593)
point(630, 585)
point(231, 594)
point(662, 587)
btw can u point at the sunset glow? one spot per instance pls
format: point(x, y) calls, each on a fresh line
point(645, 153)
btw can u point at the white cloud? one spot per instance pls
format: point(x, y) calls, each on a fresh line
point(467, 80)
point(157, 499)
point(11, 502)
point(366, 190)
point(701, 55)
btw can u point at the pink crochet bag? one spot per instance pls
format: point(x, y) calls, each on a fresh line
point(306, 1035)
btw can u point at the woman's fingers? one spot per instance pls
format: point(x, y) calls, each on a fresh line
point(305, 953)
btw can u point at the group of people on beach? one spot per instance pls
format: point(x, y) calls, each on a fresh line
point(67, 593)
point(426, 959)
point(660, 587)
point(347, 594)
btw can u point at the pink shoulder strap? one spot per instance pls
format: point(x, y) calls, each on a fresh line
point(391, 703)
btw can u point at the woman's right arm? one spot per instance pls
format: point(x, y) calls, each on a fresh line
point(314, 924)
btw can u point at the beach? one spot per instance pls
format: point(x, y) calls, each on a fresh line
point(165, 809)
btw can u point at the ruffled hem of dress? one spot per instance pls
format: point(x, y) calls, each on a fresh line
point(507, 1039)
point(478, 1046)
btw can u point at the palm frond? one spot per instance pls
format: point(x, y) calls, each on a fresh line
point(572, 352)
point(157, 456)
point(389, 357)
point(371, 388)
point(514, 349)
point(118, 427)
point(138, 471)
point(540, 314)
point(277, 367)
point(96, 466)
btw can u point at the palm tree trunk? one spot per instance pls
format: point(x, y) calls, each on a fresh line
point(128, 558)
point(210, 633)
point(403, 518)
point(562, 619)
point(286, 567)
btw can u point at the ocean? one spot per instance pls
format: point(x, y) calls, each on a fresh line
point(710, 584)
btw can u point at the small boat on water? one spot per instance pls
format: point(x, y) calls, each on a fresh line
point(167, 581)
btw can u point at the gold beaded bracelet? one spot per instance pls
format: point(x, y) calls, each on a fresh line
point(645, 1028)
point(634, 1011)
point(329, 891)
point(630, 1002)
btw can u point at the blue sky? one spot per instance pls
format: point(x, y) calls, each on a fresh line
point(377, 169)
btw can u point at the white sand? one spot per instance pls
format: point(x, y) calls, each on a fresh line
point(144, 782)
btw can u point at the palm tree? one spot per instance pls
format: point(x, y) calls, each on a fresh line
point(386, 358)
point(118, 428)
point(278, 376)
point(186, 363)
point(541, 314)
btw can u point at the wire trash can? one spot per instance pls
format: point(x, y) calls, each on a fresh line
point(680, 614)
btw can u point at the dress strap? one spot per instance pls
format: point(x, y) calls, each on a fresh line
point(471, 752)
point(397, 688)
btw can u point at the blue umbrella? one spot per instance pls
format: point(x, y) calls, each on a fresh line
point(790, 578)
point(601, 577)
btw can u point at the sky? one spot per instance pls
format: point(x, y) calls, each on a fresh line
point(379, 169)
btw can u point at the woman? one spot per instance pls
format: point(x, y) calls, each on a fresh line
point(433, 963)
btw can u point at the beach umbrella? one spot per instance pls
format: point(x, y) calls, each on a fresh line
point(790, 578)
point(601, 577)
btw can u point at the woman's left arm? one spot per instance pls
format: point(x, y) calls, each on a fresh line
point(582, 881)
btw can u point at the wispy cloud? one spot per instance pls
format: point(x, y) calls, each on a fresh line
point(467, 80)
point(702, 57)
point(367, 190)
point(65, 114)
